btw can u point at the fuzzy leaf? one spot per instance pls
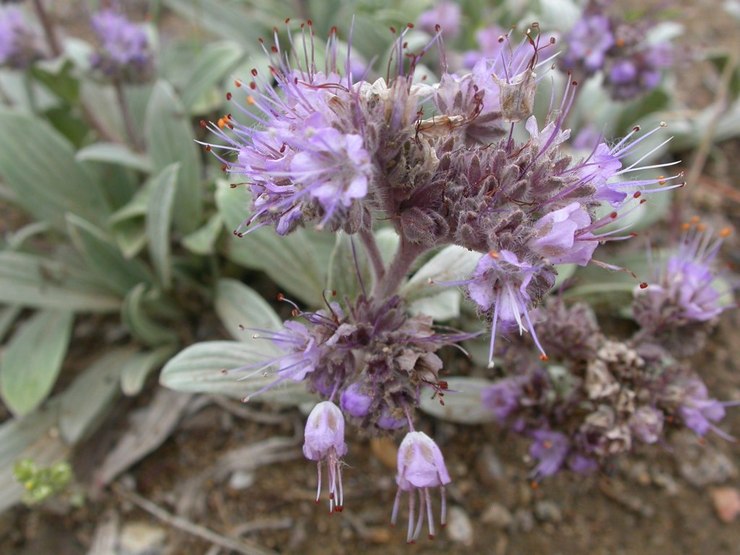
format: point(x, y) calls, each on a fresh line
point(104, 258)
point(205, 368)
point(170, 139)
point(115, 153)
point(450, 264)
point(83, 404)
point(158, 221)
point(462, 402)
point(140, 324)
point(39, 165)
point(211, 66)
point(203, 240)
point(41, 282)
point(344, 263)
point(445, 305)
point(242, 310)
point(139, 366)
point(33, 358)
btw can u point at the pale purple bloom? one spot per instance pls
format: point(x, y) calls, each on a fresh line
point(421, 466)
point(324, 443)
point(125, 52)
point(588, 43)
point(18, 46)
point(446, 15)
point(581, 464)
point(637, 71)
point(502, 398)
point(355, 402)
point(564, 237)
point(699, 412)
point(550, 449)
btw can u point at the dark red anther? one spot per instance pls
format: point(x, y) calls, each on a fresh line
point(636, 128)
point(273, 49)
point(613, 215)
point(437, 28)
point(643, 200)
point(280, 297)
point(410, 25)
point(253, 71)
point(287, 20)
point(443, 384)
point(203, 124)
point(253, 85)
point(574, 83)
point(643, 285)
point(228, 96)
point(208, 148)
point(224, 168)
point(333, 30)
point(637, 194)
point(393, 29)
point(309, 22)
point(405, 45)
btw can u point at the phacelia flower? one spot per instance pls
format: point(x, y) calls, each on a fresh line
point(698, 411)
point(446, 15)
point(587, 44)
point(324, 443)
point(638, 72)
point(421, 466)
point(18, 42)
point(502, 398)
point(550, 449)
point(125, 53)
point(564, 236)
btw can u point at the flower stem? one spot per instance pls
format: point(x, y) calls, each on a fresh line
point(128, 121)
point(49, 30)
point(373, 253)
point(402, 261)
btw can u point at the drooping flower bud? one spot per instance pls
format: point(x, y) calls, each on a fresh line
point(324, 442)
point(420, 466)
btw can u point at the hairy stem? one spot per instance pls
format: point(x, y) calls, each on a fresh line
point(402, 261)
point(128, 121)
point(373, 253)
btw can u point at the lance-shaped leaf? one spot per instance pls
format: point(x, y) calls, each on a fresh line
point(139, 366)
point(450, 264)
point(203, 240)
point(170, 139)
point(158, 221)
point(210, 68)
point(115, 153)
point(39, 165)
point(33, 358)
point(140, 324)
point(349, 270)
point(242, 310)
point(209, 368)
point(83, 404)
point(104, 259)
point(462, 402)
point(128, 224)
point(41, 282)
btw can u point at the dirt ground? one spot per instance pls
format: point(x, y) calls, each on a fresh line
point(662, 500)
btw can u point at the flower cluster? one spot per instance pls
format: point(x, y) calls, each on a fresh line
point(600, 396)
point(441, 164)
point(18, 43)
point(631, 64)
point(125, 53)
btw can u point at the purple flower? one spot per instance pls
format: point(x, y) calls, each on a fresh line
point(637, 71)
point(698, 411)
point(588, 42)
point(18, 43)
point(420, 466)
point(444, 14)
point(502, 398)
point(564, 237)
point(550, 449)
point(355, 401)
point(125, 53)
point(500, 282)
point(333, 168)
point(324, 443)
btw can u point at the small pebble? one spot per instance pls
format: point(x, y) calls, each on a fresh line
point(548, 511)
point(141, 538)
point(726, 503)
point(459, 527)
point(241, 480)
point(523, 520)
point(497, 515)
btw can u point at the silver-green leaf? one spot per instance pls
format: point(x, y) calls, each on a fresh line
point(242, 310)
point(158, 221)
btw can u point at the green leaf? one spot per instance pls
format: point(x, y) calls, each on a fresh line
point(445, 305)
point(207, 368)
point(42, 282)
point(203, 240)
point(450, 264)
point(462, 402)
point(33, 358)
point(170, 139)
point(38, 164)
point(8, 315)
point(140, 324)
point(296, 262)
point(211, 67)
point(343, 265)
point(115, 153)
point(158, 221)
point(84, 403)
point(104, 258)
point(242, 310)
point(57, 76)
point(139, 366)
